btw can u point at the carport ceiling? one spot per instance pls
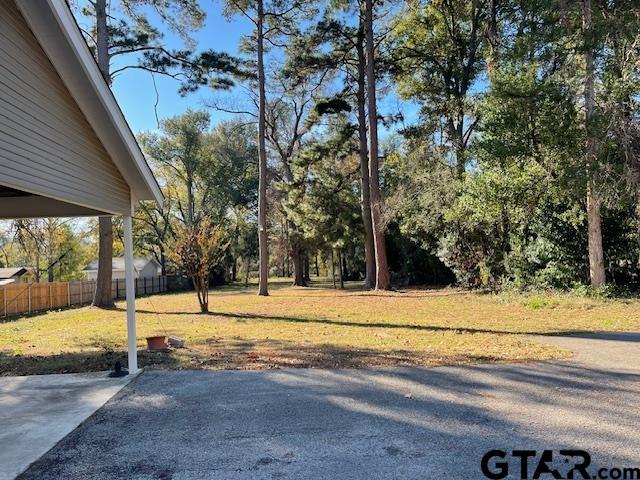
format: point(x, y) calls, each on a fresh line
point(16, 203)
point(12, 192)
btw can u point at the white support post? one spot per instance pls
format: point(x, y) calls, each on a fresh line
point(131, 295)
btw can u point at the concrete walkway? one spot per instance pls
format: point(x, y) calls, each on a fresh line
point(360, 424)
point(38, 411)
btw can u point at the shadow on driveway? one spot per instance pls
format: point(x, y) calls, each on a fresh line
point(407, 423)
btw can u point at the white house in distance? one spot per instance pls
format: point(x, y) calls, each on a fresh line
point(143, 267)
point(66, 149)
point(13, 275)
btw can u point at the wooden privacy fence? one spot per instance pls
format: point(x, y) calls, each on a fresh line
point(17, 298)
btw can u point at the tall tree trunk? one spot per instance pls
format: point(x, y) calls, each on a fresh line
point(37, 263)
point(307, 268)
point(191, 209)
point(102, 39)
point(341, 269)
point(163, 260)
point(383, 281)
point(333, 270)
point(492, 36)
point(234, 269)
point(262, 159)
point(297, 257)
point(103, 297)
point(365, 196)
point(344, 266)
point(460, 148)
point(594, 220)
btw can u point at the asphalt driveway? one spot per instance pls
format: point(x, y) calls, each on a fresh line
point(360, 424)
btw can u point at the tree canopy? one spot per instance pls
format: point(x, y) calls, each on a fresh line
point(508, 152)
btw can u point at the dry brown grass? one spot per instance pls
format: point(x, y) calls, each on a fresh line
point(314, 327)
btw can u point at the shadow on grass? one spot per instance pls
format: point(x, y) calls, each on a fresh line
point(218, 353)
point(78, 362)
point(620, 336)
point(237, 354)
point(240, 353)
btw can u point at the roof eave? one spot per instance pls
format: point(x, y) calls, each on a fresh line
point(57, 31)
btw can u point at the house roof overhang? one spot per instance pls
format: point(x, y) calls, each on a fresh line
point(25, 205)
point(59, 35)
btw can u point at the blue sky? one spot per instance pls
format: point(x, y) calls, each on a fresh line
point(135, 91)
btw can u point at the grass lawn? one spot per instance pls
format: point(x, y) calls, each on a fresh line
point(313, 327)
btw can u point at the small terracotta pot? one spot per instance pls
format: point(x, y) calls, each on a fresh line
point(157, 343)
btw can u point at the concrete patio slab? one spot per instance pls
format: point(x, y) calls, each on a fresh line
point(399, 423)
point(36, 412)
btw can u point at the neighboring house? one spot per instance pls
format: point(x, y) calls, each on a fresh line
point(14, 275)
point(142, 268)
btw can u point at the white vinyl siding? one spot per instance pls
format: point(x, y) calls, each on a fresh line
point(47, 147)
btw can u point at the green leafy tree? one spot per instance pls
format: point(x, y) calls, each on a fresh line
point(336, 43)
point(130, 38)
point(439, 48)
point(204, 173)
point(181, 152)
point(329, 209)
point(197, 250)
point(50, 247)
